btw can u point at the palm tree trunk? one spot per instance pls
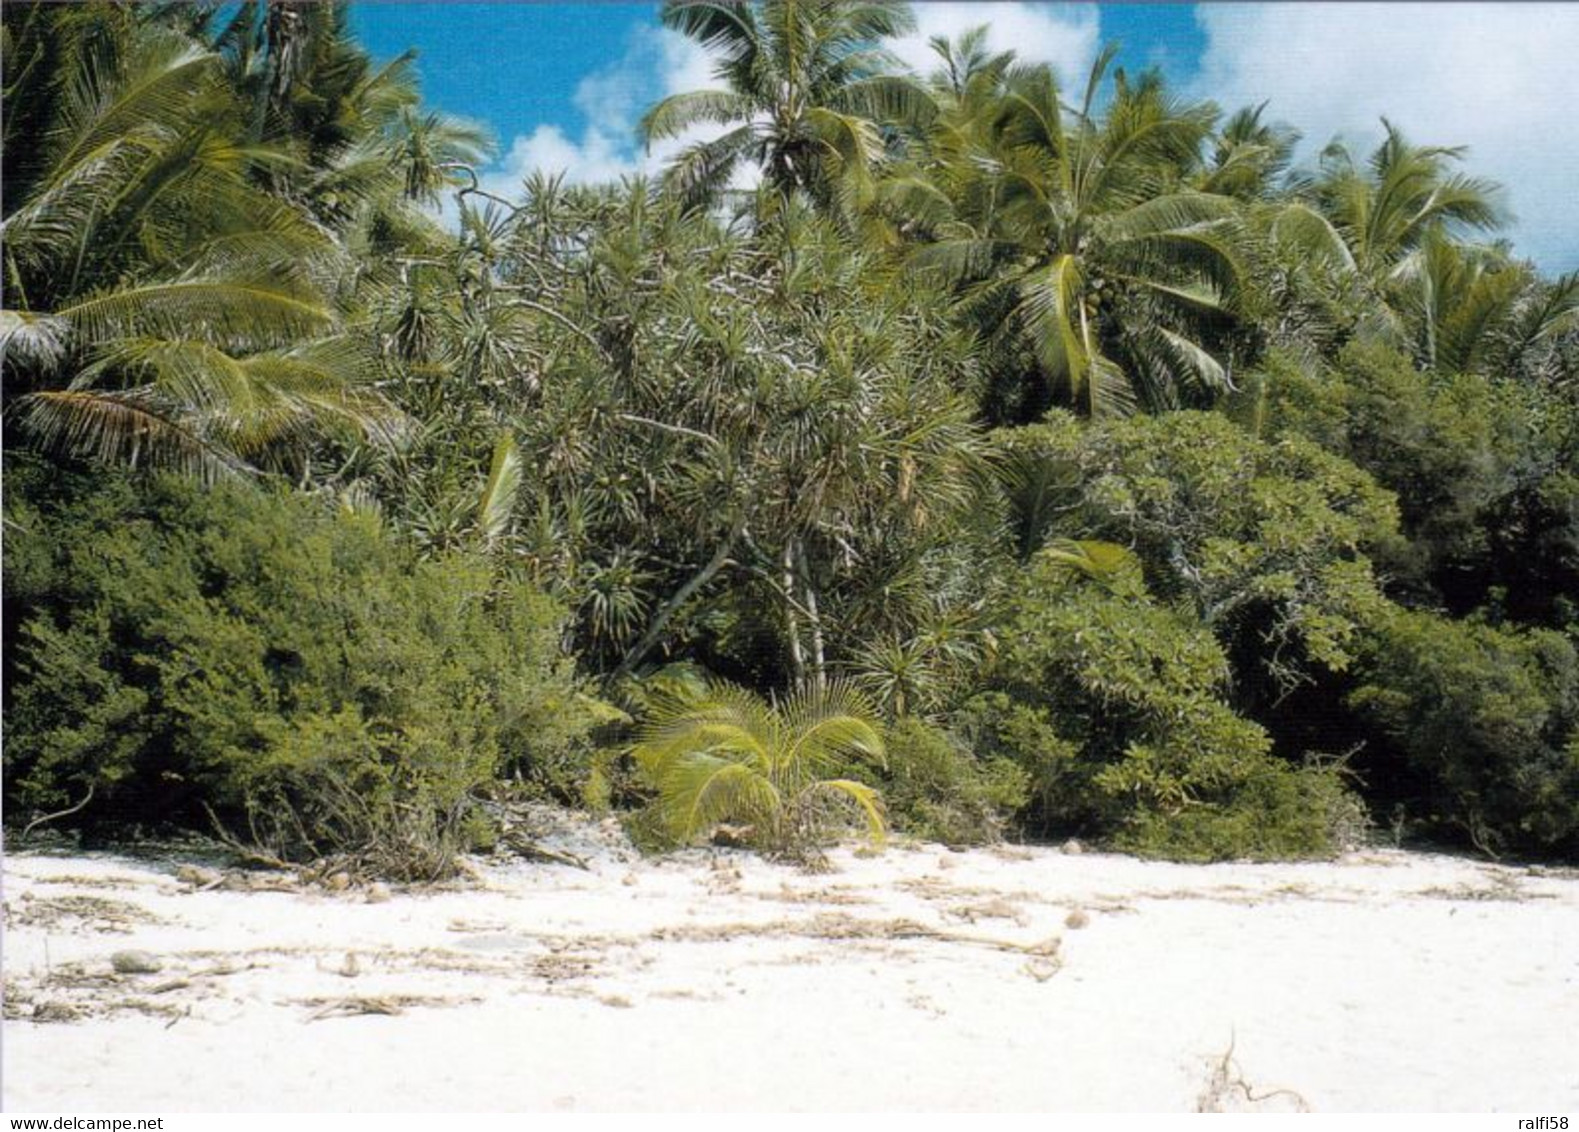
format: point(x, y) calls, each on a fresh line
point(814, 619)
point(791, 621)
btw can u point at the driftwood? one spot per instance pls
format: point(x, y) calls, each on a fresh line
point(532, 851)
point(67, 812)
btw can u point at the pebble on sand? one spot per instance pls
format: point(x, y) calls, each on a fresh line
point(135, 963)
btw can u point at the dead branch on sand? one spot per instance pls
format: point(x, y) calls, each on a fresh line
point(1227, 1079)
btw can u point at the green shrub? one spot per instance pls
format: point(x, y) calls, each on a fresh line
point(1488, 717)
point(1264, 543)
point(1278, 812)
point(937, 790)
point(998, 728)
point(291, 668)
point(1113, 703)
point(1484, 472)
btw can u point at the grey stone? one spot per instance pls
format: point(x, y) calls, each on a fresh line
point(135, 963)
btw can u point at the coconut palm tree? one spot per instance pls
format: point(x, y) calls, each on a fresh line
point(719, 753)
point(806, 91)
point(1249, 156)
point(1386, 208)
point(163, 305)
point(1080, 235)
point(1400, 232)
point(356, 133)
point(1474, 309)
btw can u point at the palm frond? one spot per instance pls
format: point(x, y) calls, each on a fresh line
point(29, 339)
point(698, 790)
point(1162, 215)
point(867, 801)
point(830, 724)
point(1307, 233)
point(701, 171)
point(725, 27)
point(1051, 307)
point(679, 112)
point(888, 99)
point(261, 313)
point(1109, 390)
point(497, 504)
point(130, 428)
point(1193, 364)
point(721, 753)
point(157, 86)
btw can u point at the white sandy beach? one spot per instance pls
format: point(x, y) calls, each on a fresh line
point(920, 979)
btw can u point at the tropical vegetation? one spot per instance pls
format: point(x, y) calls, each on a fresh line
point(988, 452)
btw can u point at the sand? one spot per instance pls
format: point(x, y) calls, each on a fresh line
point(920, 979)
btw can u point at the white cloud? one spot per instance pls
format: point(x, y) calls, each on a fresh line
point(1065, 36)
point(657, 63)
point(1499, 78)
point(595, 157)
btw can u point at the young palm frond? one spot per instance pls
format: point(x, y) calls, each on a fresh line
point(723, 754)
point(1106, 563)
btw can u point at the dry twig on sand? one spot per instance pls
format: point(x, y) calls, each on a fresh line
point(1228, 1079)
point(391, 1004)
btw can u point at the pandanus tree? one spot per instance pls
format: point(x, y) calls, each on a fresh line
point(1078, 235)
point(738, 448)
point(163, 305)
point(806, 90)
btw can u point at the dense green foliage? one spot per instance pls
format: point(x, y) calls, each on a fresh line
point(935, 786)
point(287, 664)
point(1246, 535)
point(1488, 717)
point(1486, 472)
point(1115, 704)
point(1060, 437)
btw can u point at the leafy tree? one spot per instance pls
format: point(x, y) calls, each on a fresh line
point(1266, 544)
point(1483, 471)
point(1487, 720)
point(1114, 703)
point(757, 444)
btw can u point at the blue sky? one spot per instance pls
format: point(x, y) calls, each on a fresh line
point(561, 85)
